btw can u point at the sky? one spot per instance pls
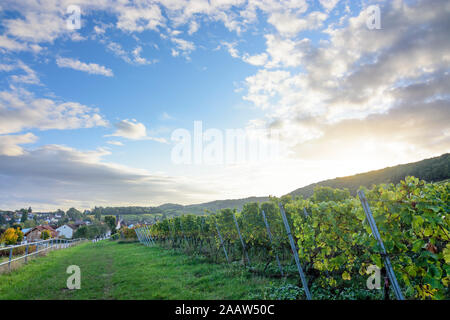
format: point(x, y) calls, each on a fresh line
point(120, 102)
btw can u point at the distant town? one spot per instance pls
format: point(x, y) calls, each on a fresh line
point(25, 225)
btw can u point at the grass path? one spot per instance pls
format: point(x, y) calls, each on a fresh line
point(110, 270)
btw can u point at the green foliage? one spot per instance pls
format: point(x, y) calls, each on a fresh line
point(91, 231)
point(335, 241)
point(284, 292)
point(111, 223)
point(74, 214)
point(45, 235)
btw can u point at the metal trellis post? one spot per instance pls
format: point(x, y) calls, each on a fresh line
point(240, 237)
point(376, 234)
point(221, 243)
point(294, 251)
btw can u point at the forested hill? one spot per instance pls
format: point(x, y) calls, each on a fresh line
point(431, 170)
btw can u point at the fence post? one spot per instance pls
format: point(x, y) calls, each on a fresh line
point(221, 243)
point(26, 253)
point(10, 258)
point(271, 241)
point(294, 251)
point(376, 234)
point(242, 241)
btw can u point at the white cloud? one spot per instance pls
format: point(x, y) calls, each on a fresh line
point(256, 60)
point(9, 144)
point(91, 68)
point(183, 45)
point(289, 24)
point(133, 130)
point(137, 56)
point(115, 143)
point(29, 76)
point(144, 16)
point(20, 109)
point(54, 176)
point(357, 74)
point(329, 4)
point(193, 27)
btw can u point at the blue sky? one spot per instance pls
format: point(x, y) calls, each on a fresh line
point(87, 115)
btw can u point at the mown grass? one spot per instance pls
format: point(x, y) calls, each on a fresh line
point(110, 270)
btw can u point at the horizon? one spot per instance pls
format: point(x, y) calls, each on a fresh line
point(115, 104)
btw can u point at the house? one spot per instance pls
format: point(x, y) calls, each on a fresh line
point(66, 231)
point(35, 233)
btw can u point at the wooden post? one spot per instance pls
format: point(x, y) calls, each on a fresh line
point(271, 241)
point(240, 237)
point(294, 251)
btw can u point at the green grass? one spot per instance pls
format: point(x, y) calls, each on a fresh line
point(110, 270)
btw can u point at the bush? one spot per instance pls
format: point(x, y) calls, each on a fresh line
point(9, 237)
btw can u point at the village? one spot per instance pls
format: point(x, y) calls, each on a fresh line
point(25, 226)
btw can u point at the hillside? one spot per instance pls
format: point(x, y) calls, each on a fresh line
point(432, 170)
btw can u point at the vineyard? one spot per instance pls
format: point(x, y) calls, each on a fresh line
point(335, 245)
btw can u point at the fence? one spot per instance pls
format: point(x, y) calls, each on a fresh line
point(34, 249)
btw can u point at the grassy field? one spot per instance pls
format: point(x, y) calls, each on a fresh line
point(110, 270)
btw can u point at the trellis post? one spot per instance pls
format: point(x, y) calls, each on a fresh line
point(271, 241)
point(376, 234)
point(240, 237)
point(221, 243)
point(294, 251)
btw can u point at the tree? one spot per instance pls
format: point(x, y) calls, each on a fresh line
point(30, 210)
point(24, 217)
point(2, 219)
point(98, 213)
point(74, 214)
point(19, 235)
point(45, 235)
point(111, 223)
point(9, 237)
point(82, 232)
